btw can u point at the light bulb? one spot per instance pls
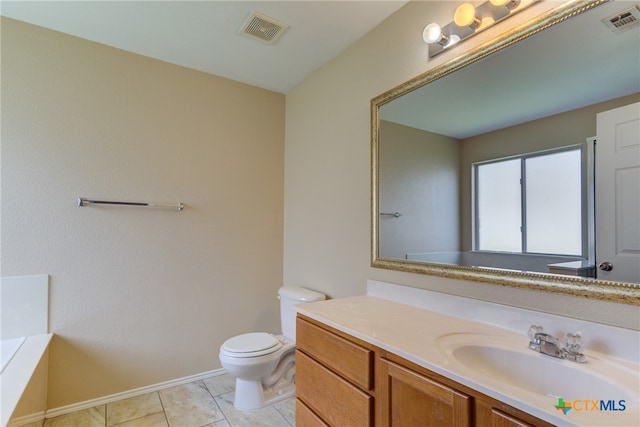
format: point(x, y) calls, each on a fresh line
point(453, 39)
point(432, 33)
point(465, 16)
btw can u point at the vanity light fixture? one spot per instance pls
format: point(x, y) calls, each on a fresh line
point(468, 20)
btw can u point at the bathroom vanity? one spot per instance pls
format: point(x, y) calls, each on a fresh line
point(370, 361)
point(361, 383)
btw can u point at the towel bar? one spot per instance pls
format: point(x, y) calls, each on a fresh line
point(83, 202)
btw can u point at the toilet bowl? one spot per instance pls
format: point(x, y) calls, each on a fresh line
point(264, 364)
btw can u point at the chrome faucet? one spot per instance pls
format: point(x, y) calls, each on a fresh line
point(544, 343)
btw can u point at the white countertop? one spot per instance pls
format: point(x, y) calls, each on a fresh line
point(416, 334)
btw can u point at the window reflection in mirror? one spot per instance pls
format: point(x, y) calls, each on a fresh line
point(531, 204)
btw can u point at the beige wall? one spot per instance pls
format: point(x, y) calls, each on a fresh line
point(327, 169)
point(418, 177)
point(138, 296)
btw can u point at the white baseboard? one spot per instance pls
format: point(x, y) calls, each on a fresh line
point(27, 419)
point(131, 393)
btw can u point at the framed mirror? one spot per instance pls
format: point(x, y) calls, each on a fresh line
point(444, 143)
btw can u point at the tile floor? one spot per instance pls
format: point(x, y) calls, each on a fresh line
point(205, 403)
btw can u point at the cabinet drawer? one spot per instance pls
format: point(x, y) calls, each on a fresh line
point(305, 416)
point(339, 402)
point(350, 360)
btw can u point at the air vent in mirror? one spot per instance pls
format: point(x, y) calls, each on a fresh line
point(624, 20)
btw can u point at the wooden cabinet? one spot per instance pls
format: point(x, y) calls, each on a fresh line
point(411, 395)
point(344, 381)
point(352, 361)
point(306, 417)
point(499, 419)
point(491, 412)
point(334, 399)
point(334, 378)
point(411, 399)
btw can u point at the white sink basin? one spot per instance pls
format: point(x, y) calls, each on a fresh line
point(504, 360)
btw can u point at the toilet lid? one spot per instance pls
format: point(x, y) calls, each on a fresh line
point(252, 344)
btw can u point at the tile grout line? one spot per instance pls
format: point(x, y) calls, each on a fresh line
point(214, 401)
point(164, 410)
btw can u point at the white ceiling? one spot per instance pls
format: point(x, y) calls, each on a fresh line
point(204, 35)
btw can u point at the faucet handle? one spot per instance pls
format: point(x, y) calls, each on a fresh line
point(573, 343)
point(533, 331)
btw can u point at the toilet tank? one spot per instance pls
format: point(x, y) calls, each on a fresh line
point(290, 296)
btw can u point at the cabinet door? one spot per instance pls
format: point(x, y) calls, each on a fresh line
point(491, 412)
point(500, 419)
point(413, 400)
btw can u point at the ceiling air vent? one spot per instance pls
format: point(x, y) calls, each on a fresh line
point(262, 27)
point(624, 20)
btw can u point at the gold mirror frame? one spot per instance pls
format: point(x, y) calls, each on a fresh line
point(628, 293)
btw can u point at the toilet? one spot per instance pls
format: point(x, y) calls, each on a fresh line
point(264, 364)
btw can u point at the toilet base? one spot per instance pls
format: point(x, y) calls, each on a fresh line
point(250, 395)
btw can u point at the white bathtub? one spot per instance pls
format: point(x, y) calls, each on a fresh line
point(24, 337)
point(23, 380)
point(8, 348)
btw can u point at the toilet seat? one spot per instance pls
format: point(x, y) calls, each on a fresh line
point(251, 345)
